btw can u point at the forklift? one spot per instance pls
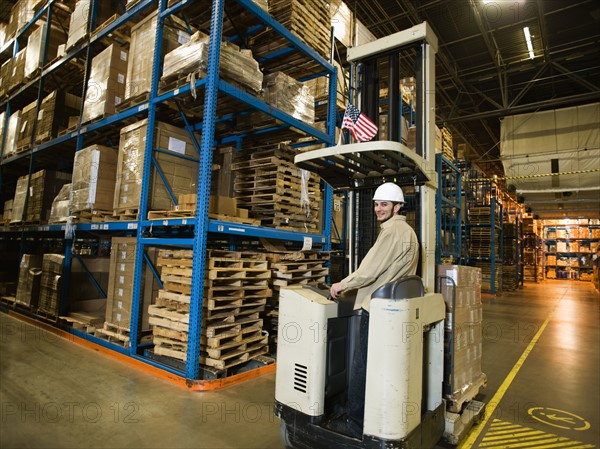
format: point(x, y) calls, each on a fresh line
point(350, 379)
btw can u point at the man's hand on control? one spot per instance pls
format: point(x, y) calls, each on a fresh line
point(335, 290)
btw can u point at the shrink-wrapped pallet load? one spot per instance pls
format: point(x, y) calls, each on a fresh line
point(236, 65)
point(461, 288)
point(106, 85)
point(180, 173)
point(94, 174)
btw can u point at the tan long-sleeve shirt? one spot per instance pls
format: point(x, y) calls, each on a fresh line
point(395, 254)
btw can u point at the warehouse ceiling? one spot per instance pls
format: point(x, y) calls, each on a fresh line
point(484, 70)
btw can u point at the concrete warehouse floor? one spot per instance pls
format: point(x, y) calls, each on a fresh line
point(540, 353)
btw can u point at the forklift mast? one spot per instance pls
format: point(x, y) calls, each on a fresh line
point(377, 69)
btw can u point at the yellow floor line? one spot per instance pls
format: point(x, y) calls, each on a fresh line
point(491, 406)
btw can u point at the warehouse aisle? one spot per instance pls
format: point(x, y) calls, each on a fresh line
point(541, 355)
point(57, 394)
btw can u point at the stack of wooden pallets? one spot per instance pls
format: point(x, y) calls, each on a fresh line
point(270, 186)
point(289, 269)
point(235, 294)
point(310, 21)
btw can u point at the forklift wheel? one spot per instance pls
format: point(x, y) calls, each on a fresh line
point(285, 436)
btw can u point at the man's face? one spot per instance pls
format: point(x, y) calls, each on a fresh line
point(384, 210)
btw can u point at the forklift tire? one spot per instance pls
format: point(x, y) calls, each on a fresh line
point(285, 436)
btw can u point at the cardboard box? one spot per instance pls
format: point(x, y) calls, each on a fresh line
point(16, 73)
point(53, 115)
point(141, 52)
point(25, 131)
point(59, 212)
point(12, 132)
point(51, 283)
point(20, 15)
point(5, 70)
point(290, 96)
point(120, 283)
point(35, 47)
point(44, 185)
point(28, 287)
point(7, 211)
point(94, 175)
point(106, 85)
point(181, 174)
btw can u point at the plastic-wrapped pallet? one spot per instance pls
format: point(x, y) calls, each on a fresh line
point(54, 113)
point(16, 73)
point(94, 173)
point(28, 287)
point(461, 288)
point(106, 85)
point(18, 210)
point(236, 64)
point(79, 23)
point(35, 47)
point(14, 123)
point(20, 15)
point(289, 95)
point(181, 174)
point(51, 283)
point(59, 212)
point(141, 51)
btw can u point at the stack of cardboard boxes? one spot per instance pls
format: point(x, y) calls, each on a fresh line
point(461, 289)
point(51, 283)
point(106, 85)
point(94, 171)
point(180, 173)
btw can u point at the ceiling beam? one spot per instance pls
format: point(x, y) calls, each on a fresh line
point(493, 49)
point(551, 103)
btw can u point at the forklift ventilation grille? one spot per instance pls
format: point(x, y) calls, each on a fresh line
point(300, 377)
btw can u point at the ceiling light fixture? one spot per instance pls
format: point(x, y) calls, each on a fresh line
point(528, 40)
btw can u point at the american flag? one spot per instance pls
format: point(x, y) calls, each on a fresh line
point(361, 127)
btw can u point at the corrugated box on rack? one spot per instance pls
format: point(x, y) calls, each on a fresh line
point(53, 115)
point(235, 65)
point(28, 287)
point(78, 25)
point(12, 131)
point(120, 283)
point(106, 86)
point(290, 96)
point(181, 174)
point(35, 47)
point(141, 54)
point(16, 74)
point(461, 288)
point(20, 15)
point(25, 130)
point(94, 174)
point(7, 211)
point(59, 211)
point(51, 283)
point(43, 188)
point(5, 70)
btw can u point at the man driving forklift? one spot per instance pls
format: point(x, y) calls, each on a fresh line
point(394, 255)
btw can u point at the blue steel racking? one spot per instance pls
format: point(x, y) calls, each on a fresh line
point(448, 211)
point(200, 227)
point(486, 194)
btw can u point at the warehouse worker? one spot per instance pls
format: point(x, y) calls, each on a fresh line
point(394, 254)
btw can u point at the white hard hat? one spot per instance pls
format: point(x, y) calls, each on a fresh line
point(389, 192)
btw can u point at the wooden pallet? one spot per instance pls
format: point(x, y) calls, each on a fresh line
point(93, 216)
point(132, 101)
point(125, 214)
